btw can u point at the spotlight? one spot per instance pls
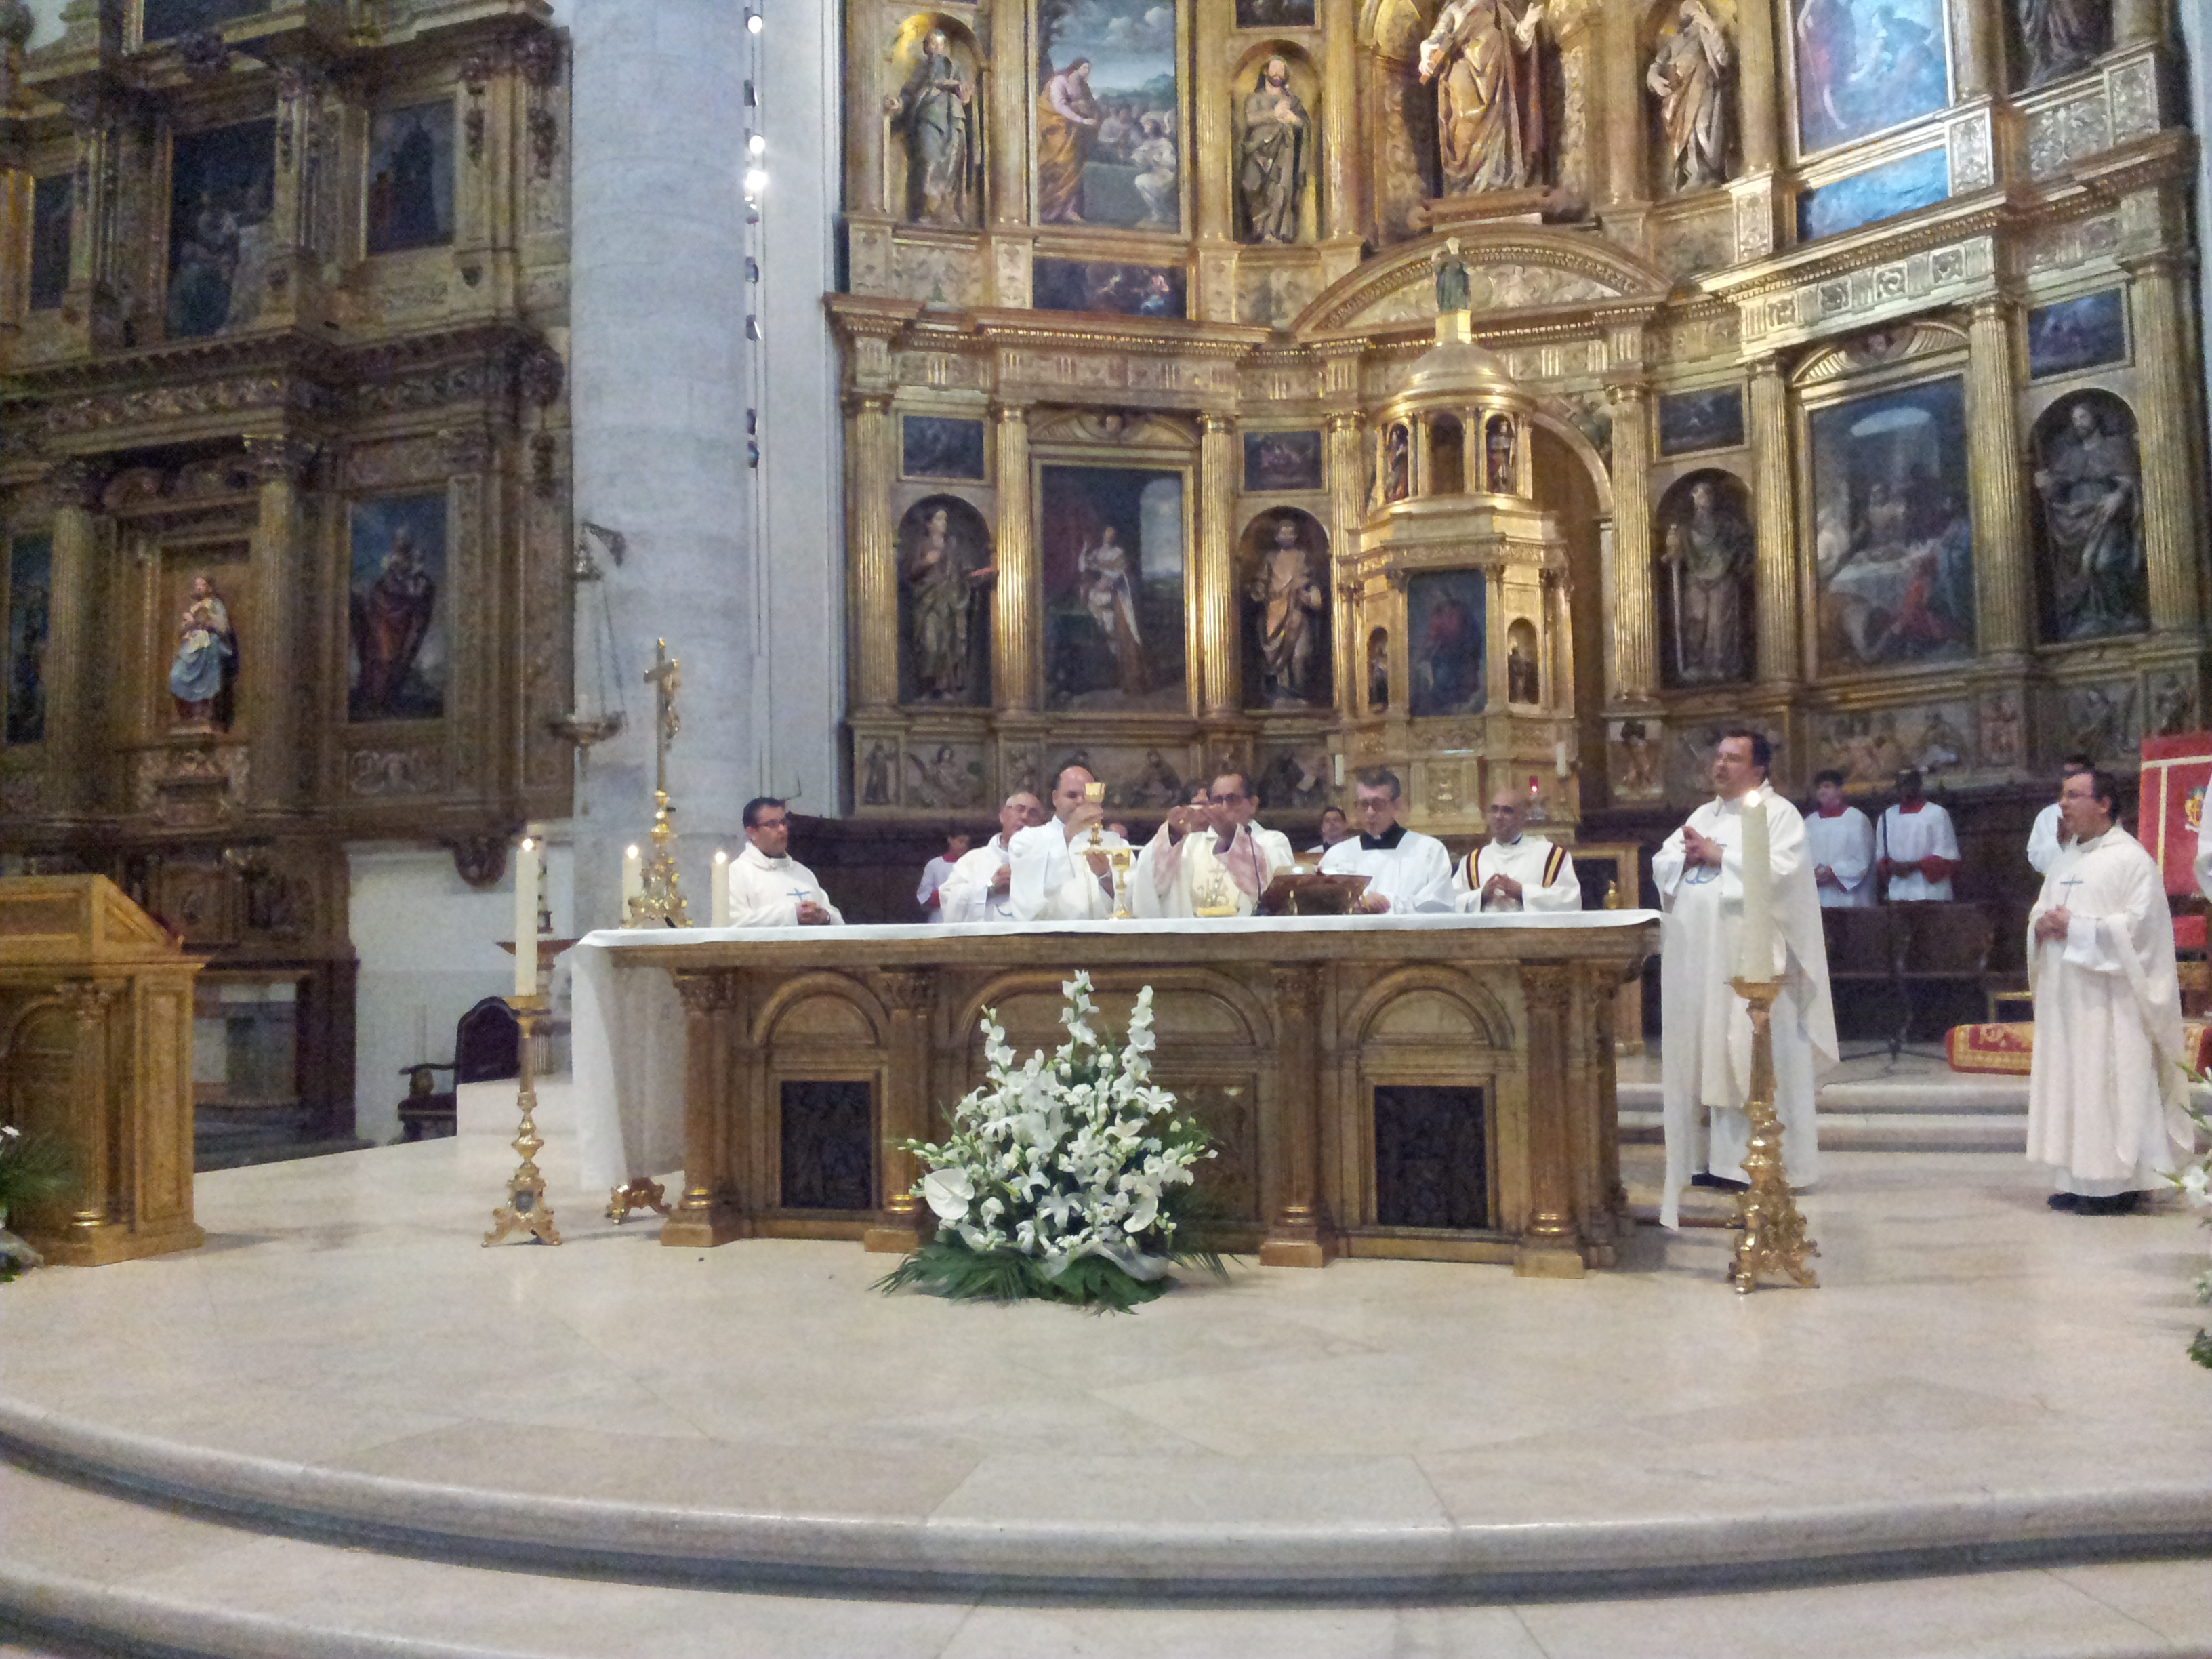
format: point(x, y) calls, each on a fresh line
point(752, 20)
point(755, 180)
point(756, 144)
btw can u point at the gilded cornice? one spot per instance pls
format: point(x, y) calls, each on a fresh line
point(1579, 253)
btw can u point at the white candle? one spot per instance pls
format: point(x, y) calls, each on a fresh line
point(1755, 960)
point(633, 879)
point(1560, 757)
point(719, 909)
point(526, 919)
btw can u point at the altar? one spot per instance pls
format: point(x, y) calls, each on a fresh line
point(1431, 1086)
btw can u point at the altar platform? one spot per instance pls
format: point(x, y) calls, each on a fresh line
point(343, 1428)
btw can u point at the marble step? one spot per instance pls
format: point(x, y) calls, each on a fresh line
point(1869, 1132)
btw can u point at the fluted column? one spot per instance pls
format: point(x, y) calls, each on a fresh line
point(1775, 580)
point(875, 556)
point(905, 1111)
point(1218, 656)
point(1550, 1241)
point(864, 132)
point(70, 741)
point(1347, 500)
point(2004, 595)
point(1976, 54)
point(2172, 534)
point(1634, 670)
point(1015, 642)
point(1297, 1231)
point(1009, 115)
point(1211, 180)
point(1759, 86)
point(271, 710)
point(717, 1121)
point(1342, 211)
point(1622, 100)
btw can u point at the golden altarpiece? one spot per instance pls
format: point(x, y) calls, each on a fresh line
point(1513, 393)
point(283, 463)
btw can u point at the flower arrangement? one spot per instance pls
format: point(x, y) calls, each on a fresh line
point(2195, 1180)
point(31, 1168)
point(1067, 1179)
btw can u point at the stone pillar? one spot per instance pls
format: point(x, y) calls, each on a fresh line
point(2137, 22)
point(2173, 537)
point(1016, 640)
point(1008, 84)
point(1633, 673)
point(1218, 656)
point(2004, 600)
point(1347, 502)
point(1622, 100)
point(1342, 211)
point(1758, 88)
point(269, 710)
point(71, 739)
point(874, 554)
point(1210, 183)
point(659, 377)
point(1775, 585)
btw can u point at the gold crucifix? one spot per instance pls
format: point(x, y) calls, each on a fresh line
point(664, 676)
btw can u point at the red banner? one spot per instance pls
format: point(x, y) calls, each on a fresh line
point(2175, 770)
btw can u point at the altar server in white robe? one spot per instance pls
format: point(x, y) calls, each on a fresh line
point(768, 888)
point(1706, 1029)
point(1514, 871)
point(979, 887)
point(1219, 850)
point(2048, 835)
point(1839, 841)
point(2107, 1100)
point(1917, 846)
point(1054, 879)
point(1406, 871)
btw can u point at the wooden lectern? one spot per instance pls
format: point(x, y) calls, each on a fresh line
point(96, 1051)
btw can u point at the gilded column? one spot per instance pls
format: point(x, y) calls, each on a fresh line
point(1974, 29)
point(2135, 22)
point(909, 995)
point(102, 1131)
point(1623, 102)
point(2003, 598)
point(864, 133)
point(2171, 531)
point(1347, 497)
point(1297, 1231)
point(272, 712)
point(1550, 1245)
point(1015, 627)
point(1010, 114)
point(1342, 212)
point(1212, 176)
point(1775, 584)
point(71, 741)
point(1218, 655)
point(717, 1119)
point(875, 556)
point(1759, 86)
point(1635, 619)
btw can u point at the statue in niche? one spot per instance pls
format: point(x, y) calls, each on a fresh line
point(1497, 443)
point(1689, 75)
point(943, 576)
point(2063, 36)
point(1707, 549)
point(1451, 279)
point(1523, 684)
point(2091, 488)
point(1397, 465)
point(1485, 57)
point(1378, 671)
point(935, 114)
point(1293, 616)
point(1275, 153)
point(876, 788)
point(200, 674)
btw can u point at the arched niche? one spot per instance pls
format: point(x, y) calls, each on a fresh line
point(1394, 462)
point(933, 138)
point(1702, 543)
point(945, 578)
point(1524, 663)
point(1378, 670)
point(1675, 39)
point(1447, 457)
point(2088, 478)
point(1283, 564)
point(1275, 195)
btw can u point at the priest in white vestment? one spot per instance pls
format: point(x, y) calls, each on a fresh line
point(2107, 1100)
point(1705, 1027)
point(768, 888)
point(1406, 871)
point(1839, 839)
point(2049, 835)
point(1917, 846)
point(1056, 876)
point(979, 889)
point(1210, 856)
point(1515, 871)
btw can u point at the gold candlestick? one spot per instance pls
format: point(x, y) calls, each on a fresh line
point(1773, 1239)
point(639, 1194)
point(525, 1211)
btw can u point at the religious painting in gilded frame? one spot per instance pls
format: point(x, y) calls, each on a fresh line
point(53, 200)
point(1109, 120)
point(1107, 286)
point(1112, 546)
point(1904, 186)
point(1861, 67)
point(1274, 14)
point(30, 594)
point(223, 183)
point(945, 577)
point(398, 656)
point(1282, 461)
point(1446, 613)
point(1691, 423)
point(2068, 336)
point(1893, 541)
point(409, 200)
point(165, 19)
point(940, 446)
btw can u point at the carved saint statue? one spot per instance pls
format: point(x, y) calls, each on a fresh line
point(2063, 36)
point(2091, 488)
point(1276, 151)
point(1293, 606)
point(1708, 554)
point(942, 578)
point(1689, 74)
point(935, 114)
point(200, 674)
point(1451, 278)
point(1484, 57)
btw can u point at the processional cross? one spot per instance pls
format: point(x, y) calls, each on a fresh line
point(666, 677)
point(659, 898)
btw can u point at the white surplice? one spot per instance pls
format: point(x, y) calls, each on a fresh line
point(2106, 1096)
point(1411, 870)
point(1704, 1045)
point(969, 894)
point(1544, 871)
point(1054, 881)
point(766, 892)
point(1170, 873)
point(2046, 840)
point(1905, 837)
point(1845, 844)
point(930, 893)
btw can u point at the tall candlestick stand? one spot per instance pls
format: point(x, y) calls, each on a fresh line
point(1773, 1239)
point(525, 1211)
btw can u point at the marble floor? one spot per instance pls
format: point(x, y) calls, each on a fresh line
point(343, 1427)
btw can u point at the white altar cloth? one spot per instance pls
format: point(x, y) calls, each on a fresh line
point(627, 1027)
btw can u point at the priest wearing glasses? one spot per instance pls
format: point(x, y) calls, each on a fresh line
point(1513, 870)
point(1209, 857)
point(1406, 871)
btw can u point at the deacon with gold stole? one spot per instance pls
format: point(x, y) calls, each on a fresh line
point(1060, 870)
point(1514, 871)
point(1210, 860)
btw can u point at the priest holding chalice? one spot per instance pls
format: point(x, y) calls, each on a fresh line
point(1211, 860)
point(1067, 870)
